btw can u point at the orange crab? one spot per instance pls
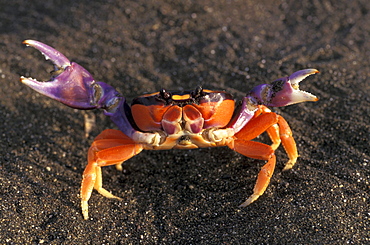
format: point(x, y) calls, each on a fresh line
point(182, 120)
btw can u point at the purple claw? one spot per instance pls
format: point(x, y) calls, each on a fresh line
point(74, 86)
point(283, 91)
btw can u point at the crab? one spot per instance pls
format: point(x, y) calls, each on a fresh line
point(175, 120)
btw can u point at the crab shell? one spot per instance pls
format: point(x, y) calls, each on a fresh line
point(182, 116)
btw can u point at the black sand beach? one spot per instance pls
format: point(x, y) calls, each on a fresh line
point(187, 196)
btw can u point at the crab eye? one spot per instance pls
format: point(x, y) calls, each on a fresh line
point(198, 92)
point(164, 94)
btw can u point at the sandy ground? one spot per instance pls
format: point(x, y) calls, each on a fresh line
point(187, 197)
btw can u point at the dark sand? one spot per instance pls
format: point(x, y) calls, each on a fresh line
point(187, 197)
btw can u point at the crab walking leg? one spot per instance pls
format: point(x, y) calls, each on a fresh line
point(260, 151)
point(281, 133)
point(111, 147)
point(258, 125)
point(278, 130)
point(272, 131)
point(288, 142)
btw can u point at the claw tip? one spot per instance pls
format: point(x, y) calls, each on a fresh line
point(29, 42)
point(50, 53)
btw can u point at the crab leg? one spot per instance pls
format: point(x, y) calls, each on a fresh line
point(279, 131)
point(281, 92)
point(260, 151)
point(111, 147)
point(288, 142)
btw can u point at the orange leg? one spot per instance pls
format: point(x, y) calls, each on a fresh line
point(274, 135)
point(277, 129)
point(258, 151)
point(273, 130)
point(288, 143)
point(279, 132)
point(111, 147)
point(257, 126)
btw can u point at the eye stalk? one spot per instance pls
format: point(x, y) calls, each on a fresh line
point(198, 92)
point(164, 96)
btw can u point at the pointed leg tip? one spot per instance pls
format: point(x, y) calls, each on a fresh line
point(243, 205)
point(119, 167)
point(107, 194)
point(250, 199)
point(85, 210)
point(289, 165)
point(117, 198)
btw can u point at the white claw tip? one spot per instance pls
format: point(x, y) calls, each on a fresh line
point(299, 76)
